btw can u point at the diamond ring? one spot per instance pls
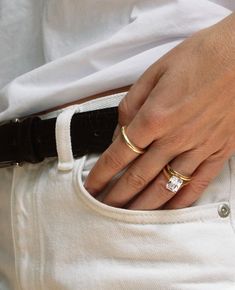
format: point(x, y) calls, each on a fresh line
point(176, 180)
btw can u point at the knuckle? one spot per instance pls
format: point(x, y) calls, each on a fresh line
point(176, 143)
point(135, 180)
point(142, 84)
point(154, 120)
point(113, 161)
point(181, 143)
point(183, 139)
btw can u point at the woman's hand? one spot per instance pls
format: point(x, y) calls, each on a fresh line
point(182, 110)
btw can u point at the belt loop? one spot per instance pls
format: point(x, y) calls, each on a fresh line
point(63, 138)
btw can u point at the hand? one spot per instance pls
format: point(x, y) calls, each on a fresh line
point(182, 110)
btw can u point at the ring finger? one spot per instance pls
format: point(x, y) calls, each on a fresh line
point(156, 194)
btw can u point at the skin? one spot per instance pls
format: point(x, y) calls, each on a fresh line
point(182, 111)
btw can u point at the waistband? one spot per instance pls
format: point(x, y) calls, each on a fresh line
point(106, 101)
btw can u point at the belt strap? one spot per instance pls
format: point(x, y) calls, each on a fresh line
point(33, 139)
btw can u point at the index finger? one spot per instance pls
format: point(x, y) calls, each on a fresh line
point(117, 156)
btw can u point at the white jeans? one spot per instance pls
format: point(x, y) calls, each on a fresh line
point(55, 235)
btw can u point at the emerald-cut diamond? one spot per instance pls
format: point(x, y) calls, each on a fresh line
point(174, 183)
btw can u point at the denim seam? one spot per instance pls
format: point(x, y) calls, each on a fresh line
point(19, 286)
point(231, 193)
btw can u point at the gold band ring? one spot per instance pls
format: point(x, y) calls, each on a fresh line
point(129, 143)
point(173, 172)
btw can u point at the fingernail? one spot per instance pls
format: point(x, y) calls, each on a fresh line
point(116, 132)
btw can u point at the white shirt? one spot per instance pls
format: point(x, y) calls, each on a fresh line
point(55, 52)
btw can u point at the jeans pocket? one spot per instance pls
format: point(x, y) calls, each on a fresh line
point(202, 211)
point(66, 239)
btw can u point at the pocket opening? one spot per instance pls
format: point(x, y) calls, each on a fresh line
point(188, 214)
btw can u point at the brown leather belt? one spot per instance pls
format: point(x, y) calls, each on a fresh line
point(33, 139)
